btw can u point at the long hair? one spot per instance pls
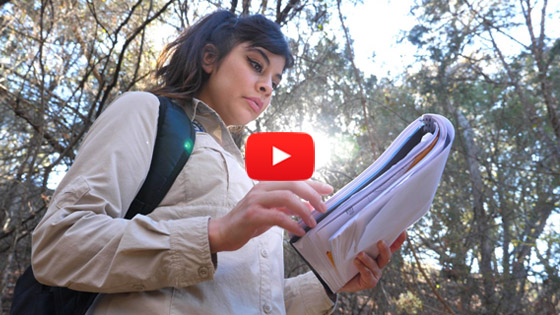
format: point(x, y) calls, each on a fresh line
point(179, 71)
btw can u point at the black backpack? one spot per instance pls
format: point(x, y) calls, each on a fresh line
point(174, 143)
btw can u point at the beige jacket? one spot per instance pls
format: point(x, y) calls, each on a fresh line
point(161, 263)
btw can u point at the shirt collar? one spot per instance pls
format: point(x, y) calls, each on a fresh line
point(214, 125)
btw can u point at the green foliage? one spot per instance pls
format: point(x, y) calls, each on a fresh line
point(500, 180)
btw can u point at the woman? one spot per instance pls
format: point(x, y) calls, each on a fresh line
point(214, 244)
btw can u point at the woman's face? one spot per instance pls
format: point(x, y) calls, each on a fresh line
point(240, 87)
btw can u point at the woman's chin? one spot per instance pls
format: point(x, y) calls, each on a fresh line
point(245, 119)
point(239, 122)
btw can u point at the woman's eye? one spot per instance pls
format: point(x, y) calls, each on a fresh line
point(256, 65)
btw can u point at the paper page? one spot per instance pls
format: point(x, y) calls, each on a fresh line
point(389, 221)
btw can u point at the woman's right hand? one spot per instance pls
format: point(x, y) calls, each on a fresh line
point(266, 205)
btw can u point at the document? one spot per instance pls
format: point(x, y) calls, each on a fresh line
point(384, 200)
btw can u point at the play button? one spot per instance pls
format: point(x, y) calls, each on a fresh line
point(278, 155)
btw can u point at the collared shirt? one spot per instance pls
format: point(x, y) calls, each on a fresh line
point(161, 263)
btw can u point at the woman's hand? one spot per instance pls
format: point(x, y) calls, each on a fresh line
point(371, 269)
point(266, 205)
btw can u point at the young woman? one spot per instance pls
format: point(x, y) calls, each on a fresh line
point(214, 244)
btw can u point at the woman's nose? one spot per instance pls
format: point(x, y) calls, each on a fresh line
point(265, 86)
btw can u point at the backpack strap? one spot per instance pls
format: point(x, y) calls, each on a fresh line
point(173, 146)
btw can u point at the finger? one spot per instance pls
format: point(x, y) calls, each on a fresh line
point(398, 242)
point(278, 218)
point(302, 189)
point(290, 213)
point(384, 254)
point(314, 195)
point(370, 263)
point(285, 199)
point(368, 277)
point(320, 187)
point(308, 190)
point(287, 212)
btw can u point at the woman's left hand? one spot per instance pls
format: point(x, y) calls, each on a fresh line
point(371, 269)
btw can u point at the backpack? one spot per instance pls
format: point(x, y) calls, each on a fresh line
point(173, 146)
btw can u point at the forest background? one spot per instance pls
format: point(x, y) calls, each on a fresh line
point(491, 242)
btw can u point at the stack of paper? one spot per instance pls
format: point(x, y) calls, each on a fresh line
point(388, 197)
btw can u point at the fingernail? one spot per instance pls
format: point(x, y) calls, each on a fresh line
point(312, 223)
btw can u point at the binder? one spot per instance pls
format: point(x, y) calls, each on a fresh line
point(393, 193)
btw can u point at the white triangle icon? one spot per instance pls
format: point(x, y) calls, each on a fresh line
point(278, 155)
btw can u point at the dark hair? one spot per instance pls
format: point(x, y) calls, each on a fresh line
point(179, 67)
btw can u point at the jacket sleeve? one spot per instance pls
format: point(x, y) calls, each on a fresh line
point(304, 294)
point(84, 244)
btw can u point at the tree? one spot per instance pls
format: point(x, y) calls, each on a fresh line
point(507, 144)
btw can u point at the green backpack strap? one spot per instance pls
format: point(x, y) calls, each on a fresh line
point(174, 144)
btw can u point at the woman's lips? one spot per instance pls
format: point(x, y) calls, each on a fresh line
point(255, 103)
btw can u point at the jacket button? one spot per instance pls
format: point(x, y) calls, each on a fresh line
point(267, 308)
point(264, 253)
point(203, 272)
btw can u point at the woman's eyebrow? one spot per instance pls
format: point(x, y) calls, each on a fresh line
point(265, 57)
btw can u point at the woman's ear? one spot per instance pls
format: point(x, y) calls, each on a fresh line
point(209, 58)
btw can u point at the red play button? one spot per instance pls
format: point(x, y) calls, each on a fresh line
point(280, 156)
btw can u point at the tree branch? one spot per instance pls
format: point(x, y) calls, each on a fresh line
point(46, 135)
point(432, 287)
point(130, 38)
point(282, 15)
